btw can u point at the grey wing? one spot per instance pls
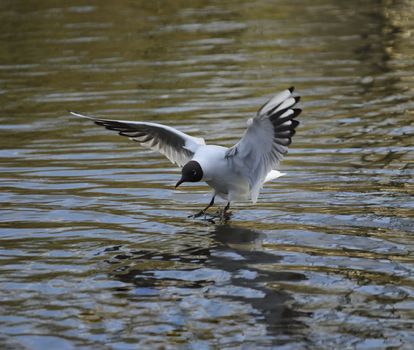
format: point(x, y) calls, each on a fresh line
point(266, 140)
point(177, 146)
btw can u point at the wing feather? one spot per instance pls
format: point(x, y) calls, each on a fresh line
point(177, 146)
point(266, 140)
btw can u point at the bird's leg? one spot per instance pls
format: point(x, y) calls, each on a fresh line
point(227, 207)
point(202, 212)
point(225, 214)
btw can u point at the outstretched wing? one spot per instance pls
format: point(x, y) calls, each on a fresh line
point(266, 140)
point(177, 146)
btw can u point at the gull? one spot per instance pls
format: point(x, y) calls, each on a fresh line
point(236, 173)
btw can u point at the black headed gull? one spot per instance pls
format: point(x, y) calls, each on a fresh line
point(235, 173)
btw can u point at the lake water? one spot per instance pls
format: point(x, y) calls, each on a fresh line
point(97, 251)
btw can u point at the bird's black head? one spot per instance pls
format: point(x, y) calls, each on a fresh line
point(191, 172)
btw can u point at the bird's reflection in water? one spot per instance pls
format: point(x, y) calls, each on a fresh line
point(231, 251)
point(278, 316)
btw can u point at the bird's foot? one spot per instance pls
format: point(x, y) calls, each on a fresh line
point(227, 215)
point(222, 215)
point(207, 217)
point(197, 215)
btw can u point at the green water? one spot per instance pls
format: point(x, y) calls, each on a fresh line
point(96, 250)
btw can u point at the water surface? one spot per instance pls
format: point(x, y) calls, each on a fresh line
point(96, 247)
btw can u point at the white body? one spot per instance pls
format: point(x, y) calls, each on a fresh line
point(224, 179)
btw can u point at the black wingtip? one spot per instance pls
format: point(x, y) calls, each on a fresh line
point(297, 99)
point(291, 89)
